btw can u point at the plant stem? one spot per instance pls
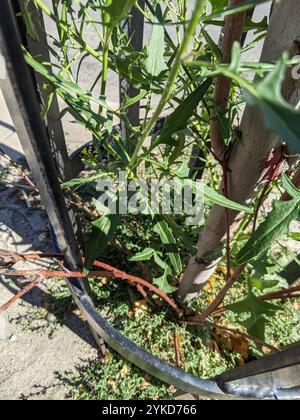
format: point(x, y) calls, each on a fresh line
point(23, 292)
point(109, 271)
point(19, 169)
point(221, 296)
point(176, 348)
point(171, 80)
point(106, 37)
point(80, 41)
point(62, 33)
point(226, 194)
point(280, 295)
point(236, 332)
point(104, 71)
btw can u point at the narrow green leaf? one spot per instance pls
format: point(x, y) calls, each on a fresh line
point(144, 255)
point(227, 11)
point(290, 187)
point(275, 226)
point(160, 262)
point(67, 86)
point(49, 95)
point(163, 284)
point(236, 54)
point(75, 182)
point(133, 74)
point(120, 151)
point(295, 236)
point(271, 230)
point(177, 230)
point(222, 201)
point(131, 101)
point(262, 284)
point(103, 230)
point(179, 118)
point(170, 245)
point(28, 9)
point(212, 46)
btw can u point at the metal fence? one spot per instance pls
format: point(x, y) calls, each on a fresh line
point(273, 377)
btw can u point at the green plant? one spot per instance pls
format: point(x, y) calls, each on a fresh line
point(203, 351)
point(187, 72)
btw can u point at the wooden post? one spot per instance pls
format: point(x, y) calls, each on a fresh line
point(251, 152)
point(134, 28)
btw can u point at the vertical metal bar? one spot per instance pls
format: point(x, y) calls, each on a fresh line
point(39, 49)
point(134, 28)
point(20, 96)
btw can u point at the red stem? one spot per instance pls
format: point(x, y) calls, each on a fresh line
point(109, 272)
point(221, 296)
point(20, 294)
point(226, 194)
point(235, 332)
point(177, 355)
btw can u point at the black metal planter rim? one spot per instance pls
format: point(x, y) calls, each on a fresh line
point(216, 388)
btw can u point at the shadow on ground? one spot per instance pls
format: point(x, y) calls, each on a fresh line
point(24, 228)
